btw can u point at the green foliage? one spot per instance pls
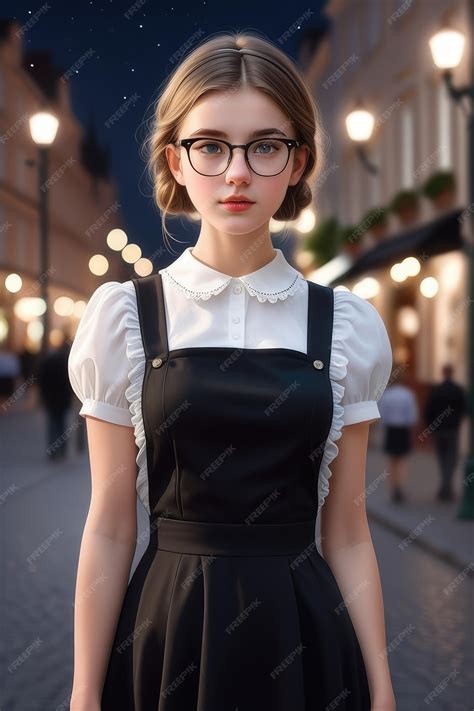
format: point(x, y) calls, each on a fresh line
point(350, 234)
point(374, 216)
point(405, 200)
point(324, 240)
point(438, 183)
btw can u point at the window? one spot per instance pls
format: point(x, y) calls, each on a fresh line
point(373, 24)
point(444, 127)
point(375, 180)
point(408, 147)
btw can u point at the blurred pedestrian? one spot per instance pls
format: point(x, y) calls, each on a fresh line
point(445, 406)
point(10, 370)
point(399, 412)
point(56, 395)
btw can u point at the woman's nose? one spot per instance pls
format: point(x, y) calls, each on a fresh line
point(238, 165)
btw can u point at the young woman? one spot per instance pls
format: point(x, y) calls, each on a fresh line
point(216, 389)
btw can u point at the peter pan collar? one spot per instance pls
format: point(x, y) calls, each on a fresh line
point(273, 282)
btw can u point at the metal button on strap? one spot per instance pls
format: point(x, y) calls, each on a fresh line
point(318, 364)
point(156, 362)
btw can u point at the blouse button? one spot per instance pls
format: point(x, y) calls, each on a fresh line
point(156, 362)
point(235, 336)
point(237, 289)
point(236, 319)
point(318, 364)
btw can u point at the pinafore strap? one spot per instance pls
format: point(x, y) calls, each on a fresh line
point(152, 316)
point(320, 324)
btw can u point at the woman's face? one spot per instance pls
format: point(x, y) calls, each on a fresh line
point(237, 114)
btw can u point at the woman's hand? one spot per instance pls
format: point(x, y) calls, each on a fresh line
point(79, 702)
point(386, 704)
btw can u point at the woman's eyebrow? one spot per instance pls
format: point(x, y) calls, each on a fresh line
point(259, 132)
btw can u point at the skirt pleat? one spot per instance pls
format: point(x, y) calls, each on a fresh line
point(234, 633)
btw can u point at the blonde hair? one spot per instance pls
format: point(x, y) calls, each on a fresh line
point(228, 62)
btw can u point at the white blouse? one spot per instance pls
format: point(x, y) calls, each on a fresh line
point(204, 307)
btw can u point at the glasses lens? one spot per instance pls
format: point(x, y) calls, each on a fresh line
point(209, 157)
point(268, 157)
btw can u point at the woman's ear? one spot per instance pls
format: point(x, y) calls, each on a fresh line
point(174, 163)
point(299, 163)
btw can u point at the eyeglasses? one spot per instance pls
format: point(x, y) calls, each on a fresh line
point(266, 157)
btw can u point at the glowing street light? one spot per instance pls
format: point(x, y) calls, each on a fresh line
point(43, 130)
point(360, 127)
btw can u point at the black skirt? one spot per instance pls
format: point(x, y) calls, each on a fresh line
point(247, 619)
point(397, 440)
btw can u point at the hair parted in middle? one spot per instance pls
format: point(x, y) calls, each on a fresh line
point(228, 62)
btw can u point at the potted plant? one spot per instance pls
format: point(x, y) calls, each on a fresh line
point(440, 188)
point(350, 237)
point(375, 223)
point(406, 206)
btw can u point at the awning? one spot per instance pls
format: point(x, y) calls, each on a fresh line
point(427, 240)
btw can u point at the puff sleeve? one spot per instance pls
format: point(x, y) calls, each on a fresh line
point(361, 336)
point(98, 365)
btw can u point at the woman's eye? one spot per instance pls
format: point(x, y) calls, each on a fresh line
point(201, 147)
point(266, 147)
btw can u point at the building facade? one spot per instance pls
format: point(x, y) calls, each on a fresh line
point(376, 55)
point(82, 199)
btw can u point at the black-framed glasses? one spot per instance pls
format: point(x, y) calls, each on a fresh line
point(264, 156)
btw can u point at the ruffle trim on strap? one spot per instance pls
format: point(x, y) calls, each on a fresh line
point(337, 372)
point(133, 393)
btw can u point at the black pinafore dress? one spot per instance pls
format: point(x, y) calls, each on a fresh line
point(231, 607)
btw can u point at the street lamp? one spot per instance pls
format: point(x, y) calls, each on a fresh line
point(447, 50)
point(360, 126)
point(43, 129)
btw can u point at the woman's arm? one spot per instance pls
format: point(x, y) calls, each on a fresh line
point(107, 550)
point(347, 547)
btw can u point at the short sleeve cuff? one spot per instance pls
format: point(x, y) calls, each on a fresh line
point(105, 411)
point(360, 411)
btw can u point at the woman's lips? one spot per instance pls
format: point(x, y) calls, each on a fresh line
point(236, 206)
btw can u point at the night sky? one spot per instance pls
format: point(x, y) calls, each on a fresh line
point(130, 59)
